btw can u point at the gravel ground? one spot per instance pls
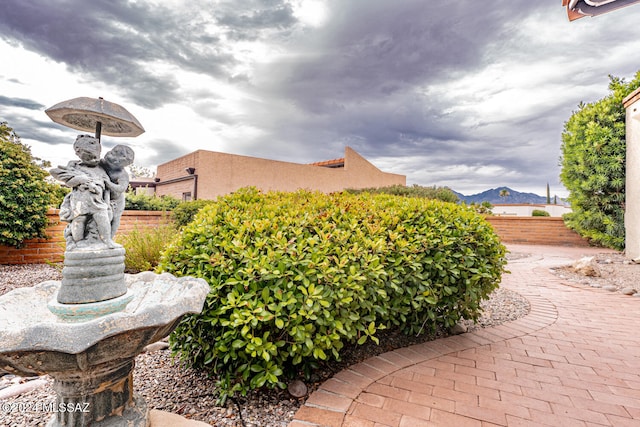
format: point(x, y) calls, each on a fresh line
point(167, 386)
point(614, 273)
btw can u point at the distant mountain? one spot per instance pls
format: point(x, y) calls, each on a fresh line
point(493, 196)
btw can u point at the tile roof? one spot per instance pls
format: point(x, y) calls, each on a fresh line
point(335, 163)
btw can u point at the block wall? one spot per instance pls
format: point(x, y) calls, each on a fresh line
point(516, 230)
point(527, 230)
point(51, 249)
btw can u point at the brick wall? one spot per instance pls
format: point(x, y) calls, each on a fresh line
point(535, 230)
point(39, 251)
point(516, 230)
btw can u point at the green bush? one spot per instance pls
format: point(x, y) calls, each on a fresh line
point(593, 166)
point(25, 196)
point(146, 202)
point(183, 213)
point(436, 193)
point(295, 276)
point(540, 212)
point(144, 245)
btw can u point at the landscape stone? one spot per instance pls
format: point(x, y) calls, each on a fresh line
point(458, 329)
point(587, 266)
point(297, 389)
point(166, 419)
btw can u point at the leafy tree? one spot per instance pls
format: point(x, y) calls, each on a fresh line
point(25, 196)
point(484, 208)
point(593, 165)
point(141, 172)
point(504, 193)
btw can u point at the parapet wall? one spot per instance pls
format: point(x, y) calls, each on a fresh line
point(516, 230)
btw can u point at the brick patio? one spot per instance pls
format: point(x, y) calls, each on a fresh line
point(574, 360)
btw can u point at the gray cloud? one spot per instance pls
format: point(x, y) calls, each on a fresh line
point(20, 103)
point(120, 42)
point(465, 93)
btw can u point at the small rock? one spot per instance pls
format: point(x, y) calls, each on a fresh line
point(458, 329)
point(587, 267)
point(628, 291)
point(610, 288)
point(160, 345)
point(297, 389)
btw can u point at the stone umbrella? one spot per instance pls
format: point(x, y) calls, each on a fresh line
point(89, 114)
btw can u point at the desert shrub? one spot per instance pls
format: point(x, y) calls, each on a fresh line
point(144, 245)
point(183, 213)
point(295, 276)
point(149, 202)
point(436, 193)
point(540, 212)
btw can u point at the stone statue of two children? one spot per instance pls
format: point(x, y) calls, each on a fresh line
point(95, 204)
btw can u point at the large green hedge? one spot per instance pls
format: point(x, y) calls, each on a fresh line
point(593, 166)
point(295, 276)
point(25, 195)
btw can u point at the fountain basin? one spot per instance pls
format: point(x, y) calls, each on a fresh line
point(91, 359)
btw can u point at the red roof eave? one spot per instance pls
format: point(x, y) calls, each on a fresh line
point(330, 163)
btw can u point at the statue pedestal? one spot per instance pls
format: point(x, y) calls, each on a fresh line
point(101, 396)
point(92, 276)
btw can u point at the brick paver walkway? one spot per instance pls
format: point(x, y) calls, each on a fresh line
point(574, 360)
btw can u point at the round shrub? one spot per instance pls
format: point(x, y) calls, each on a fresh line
point(540, 212)
point(295, 276)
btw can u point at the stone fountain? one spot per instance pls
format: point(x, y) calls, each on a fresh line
point(86, 330)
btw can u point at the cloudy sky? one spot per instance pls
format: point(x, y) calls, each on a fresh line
point(467, 94)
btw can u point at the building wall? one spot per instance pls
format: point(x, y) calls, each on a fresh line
point(221, 173)
point(527, 210)
point(632, 183)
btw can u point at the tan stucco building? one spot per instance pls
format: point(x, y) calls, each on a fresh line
point(208, 174)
